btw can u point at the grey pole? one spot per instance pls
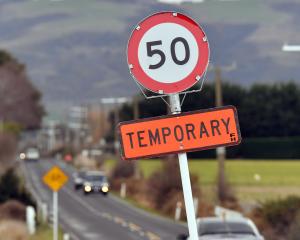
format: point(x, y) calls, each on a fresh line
point(185, 177)
point(220, 151)
point(55, 215)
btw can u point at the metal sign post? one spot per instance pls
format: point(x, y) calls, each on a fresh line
point(55, 179)
point(55, 215)
point(185, 177)
point(168, 53)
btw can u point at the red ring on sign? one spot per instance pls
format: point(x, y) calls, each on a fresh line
point(150, 83)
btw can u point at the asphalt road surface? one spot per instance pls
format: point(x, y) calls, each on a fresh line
point(98, 217)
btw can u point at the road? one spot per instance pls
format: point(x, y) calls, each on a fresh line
point(97, 217)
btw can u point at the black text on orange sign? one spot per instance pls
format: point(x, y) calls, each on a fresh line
point(180, 133)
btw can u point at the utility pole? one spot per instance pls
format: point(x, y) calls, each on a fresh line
point(116, 103)
point(220, 151)
point(136, 110)
point(1, 125)
point(116, 121)
point(102, 122)
point(51, 136)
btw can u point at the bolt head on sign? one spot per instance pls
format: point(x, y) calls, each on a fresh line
point(55, 179)
point(168, 53)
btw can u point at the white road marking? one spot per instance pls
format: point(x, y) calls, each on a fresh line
point(131, 227)
point(152, 236)
point(33, 180)
point(92, 236)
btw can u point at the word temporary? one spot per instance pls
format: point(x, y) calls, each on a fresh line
point(180, 133)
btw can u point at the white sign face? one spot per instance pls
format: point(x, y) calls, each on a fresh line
point(168, 52)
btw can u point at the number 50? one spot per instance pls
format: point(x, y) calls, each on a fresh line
point(151, 52)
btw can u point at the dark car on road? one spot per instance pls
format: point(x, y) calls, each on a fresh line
point(32, 154)
point(78, 179)
point(95, 182)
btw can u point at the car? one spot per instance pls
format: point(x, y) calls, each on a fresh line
point(95, 182)
point(78, 179)
point(217, 228)
point(32, 154)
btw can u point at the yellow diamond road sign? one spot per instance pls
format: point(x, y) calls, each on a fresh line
point(55, 178)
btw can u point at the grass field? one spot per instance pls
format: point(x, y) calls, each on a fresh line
point(252, 180)
point(45, 233)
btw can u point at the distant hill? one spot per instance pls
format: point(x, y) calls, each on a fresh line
point(75, 50)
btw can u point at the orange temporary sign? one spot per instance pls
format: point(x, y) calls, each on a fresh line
point(177, 133)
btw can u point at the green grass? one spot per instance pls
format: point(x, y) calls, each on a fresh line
point(239, 172)
point(277, 178)
point(45, 233)
point(147, 166)
point(137, 204)
point(109, 164)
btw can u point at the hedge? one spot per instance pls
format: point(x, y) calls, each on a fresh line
point(259, 148)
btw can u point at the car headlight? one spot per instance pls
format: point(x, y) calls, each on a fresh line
point(105, 189)
point(87, 188)
point(22, 156)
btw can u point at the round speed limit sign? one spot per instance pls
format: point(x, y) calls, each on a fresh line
point(168, 53)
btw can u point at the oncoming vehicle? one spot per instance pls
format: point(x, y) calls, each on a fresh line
point(32, 154)
point(78, 179)
point(216, 228)
point(95, 182)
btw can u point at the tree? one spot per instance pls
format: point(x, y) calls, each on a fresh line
point(264, 110)
point(11, 188)
point(271, 111)
point(19, 99)
point(8, 147)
